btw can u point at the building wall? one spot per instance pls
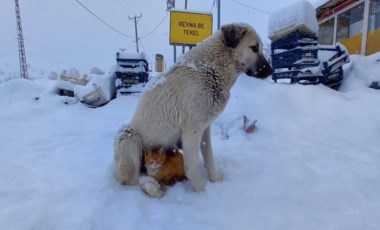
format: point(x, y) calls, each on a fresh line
point(353, 44)
point(348, 26)
point(373, 42)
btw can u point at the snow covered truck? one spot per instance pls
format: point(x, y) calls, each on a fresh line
point(132, 72)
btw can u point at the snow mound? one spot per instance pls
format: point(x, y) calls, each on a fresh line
point(104, 82)
point(361, 72)
point(22, 91)
point(300, 15)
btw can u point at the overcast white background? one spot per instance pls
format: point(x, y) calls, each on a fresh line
point(61, 34)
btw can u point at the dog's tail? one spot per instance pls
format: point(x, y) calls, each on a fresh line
point(127, 155)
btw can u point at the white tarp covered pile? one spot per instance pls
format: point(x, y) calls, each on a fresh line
point(93, 90)
point(297, 16)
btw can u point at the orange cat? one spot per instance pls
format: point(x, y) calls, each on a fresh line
point(166, 169)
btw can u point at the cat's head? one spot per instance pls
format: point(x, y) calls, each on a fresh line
point(154, 159)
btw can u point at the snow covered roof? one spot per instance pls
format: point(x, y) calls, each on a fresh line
point(323, 6)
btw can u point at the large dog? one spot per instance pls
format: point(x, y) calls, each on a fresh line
point(179, 109)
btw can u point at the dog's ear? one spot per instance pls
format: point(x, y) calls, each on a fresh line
point(233, 34)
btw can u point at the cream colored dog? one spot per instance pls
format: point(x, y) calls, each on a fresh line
point(179, 109)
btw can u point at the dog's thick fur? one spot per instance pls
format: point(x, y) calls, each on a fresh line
point(180, 109)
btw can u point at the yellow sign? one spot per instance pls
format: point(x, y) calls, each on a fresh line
point(160, 67)
point(189, 28)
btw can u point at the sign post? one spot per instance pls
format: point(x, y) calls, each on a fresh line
point(188, 27)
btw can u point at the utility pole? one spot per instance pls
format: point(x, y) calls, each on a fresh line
point(21, 48)
point(136, 20)
point(183, 47)
point(171, 4)
point(218, 14)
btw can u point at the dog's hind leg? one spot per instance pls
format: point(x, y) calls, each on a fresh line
point(127, 155)
point(208, 157)
point(190, 140)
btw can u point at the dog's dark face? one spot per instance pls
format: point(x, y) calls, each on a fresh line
point(248, 50)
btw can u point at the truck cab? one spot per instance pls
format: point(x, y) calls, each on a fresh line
point(132, 72)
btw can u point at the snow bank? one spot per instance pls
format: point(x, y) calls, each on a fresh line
point(300, 15)
point(19, 92)
point(361, 72)
point(312, 162)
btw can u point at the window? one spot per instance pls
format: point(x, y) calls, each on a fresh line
point(374, 17)
point(350, 23)
point(373, 35)
point(326, 32)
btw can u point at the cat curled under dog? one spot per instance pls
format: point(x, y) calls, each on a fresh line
point(163, 169)
point(166, 168)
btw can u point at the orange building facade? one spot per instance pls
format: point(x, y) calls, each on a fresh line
point(354, 23)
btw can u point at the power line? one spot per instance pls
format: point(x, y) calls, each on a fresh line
point(105, 23)
point(155, 28)
point(254, 8)
point(116, 30)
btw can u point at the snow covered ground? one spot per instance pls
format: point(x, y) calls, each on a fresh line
point(312, 163)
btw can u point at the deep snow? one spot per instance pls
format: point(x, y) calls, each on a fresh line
point(312, 163)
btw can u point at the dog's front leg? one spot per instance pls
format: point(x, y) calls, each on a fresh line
point(190, 143)
point(208, 157)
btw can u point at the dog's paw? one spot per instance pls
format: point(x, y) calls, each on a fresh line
point(216, 178)
point(198, 185)
point(151, 187)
